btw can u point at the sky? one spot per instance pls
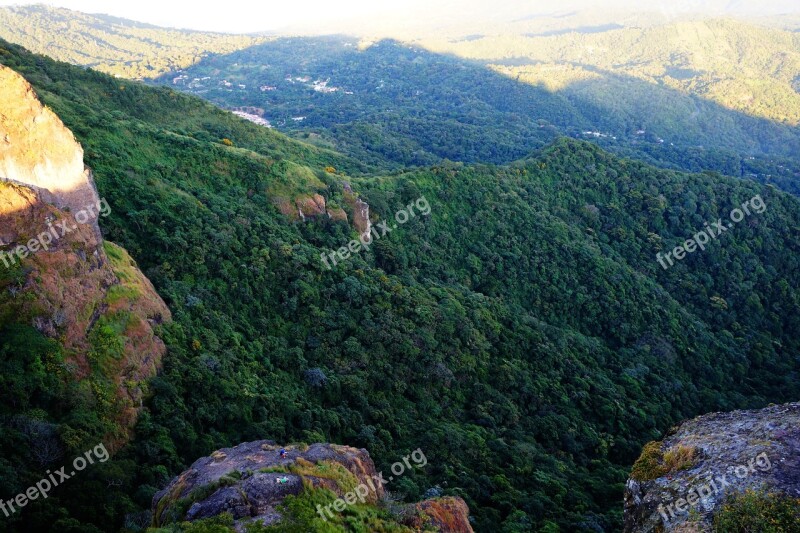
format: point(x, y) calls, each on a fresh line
point(271, 15)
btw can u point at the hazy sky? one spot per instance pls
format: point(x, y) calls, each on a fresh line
point(250, 16)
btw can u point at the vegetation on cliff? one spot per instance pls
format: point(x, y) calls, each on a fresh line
point(321, 488)
point(758, 511)
point(720, 472)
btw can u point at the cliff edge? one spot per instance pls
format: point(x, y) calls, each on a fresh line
point(38, 151)
point(58, 275)
point(739, 469)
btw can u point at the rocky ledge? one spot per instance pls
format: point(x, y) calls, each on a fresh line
point(249, 485)
point(682, 483)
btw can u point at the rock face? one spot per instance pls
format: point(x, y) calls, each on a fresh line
point(255, 494)
point(251, 480)
point(37, 150)
point(444, 514)
point(723, 454)
point(360, 208)
point(64, 279)
point(310, 206)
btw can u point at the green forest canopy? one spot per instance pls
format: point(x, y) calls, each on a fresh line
point(522, 335)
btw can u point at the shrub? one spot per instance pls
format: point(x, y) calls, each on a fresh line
point(758, 511)
point(649, 464)
point(653, 463)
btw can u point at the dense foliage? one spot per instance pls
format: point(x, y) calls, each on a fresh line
point(522, 335)
point(758, 511)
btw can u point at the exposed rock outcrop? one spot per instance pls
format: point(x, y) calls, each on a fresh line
point(337, 214)
point(63, 278)
point(311, 206)
point(360, 210)
point(37, 150)
point(447, 515)
point(250, 482)
point(256, 493)
point(684, 480)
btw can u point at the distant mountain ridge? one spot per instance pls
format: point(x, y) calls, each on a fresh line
point(735, 64)
point(707, 94)
point(399, 104)
point(117, 46)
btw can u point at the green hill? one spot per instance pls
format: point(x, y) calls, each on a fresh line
point(522, 333)
point(740, 66)
point(717, 95)
point(707, 95)
point(399, 104)
point(116, 46)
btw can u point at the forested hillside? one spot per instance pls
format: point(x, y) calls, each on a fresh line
point(522, 334)
point(737, 65)
point(705, 94)
point(120, 47)
point(409, 106)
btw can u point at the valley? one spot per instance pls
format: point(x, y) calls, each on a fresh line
point(519, 328)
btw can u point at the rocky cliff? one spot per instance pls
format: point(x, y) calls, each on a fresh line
point(56, 272)
point(303, 202)
point(303, 488)
point(442, 514)
point(37, 150)
point(719, 469)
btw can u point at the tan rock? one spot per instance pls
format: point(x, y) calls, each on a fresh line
point(310, 206)
point(71, 282)
point(38, 150)
point(447, 515)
